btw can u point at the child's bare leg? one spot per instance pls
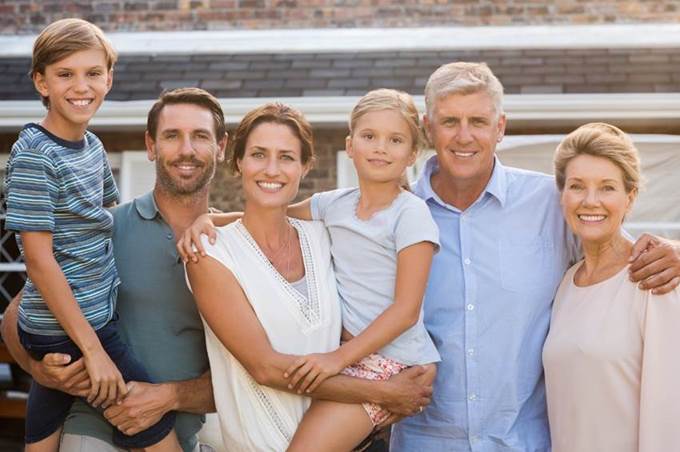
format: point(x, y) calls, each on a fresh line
point(331, 427)
point(49, 444)
point(168, 444)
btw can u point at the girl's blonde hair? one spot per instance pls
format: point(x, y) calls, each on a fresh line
point(599, 139)
point(390, 99)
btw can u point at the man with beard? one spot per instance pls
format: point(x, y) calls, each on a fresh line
point(185, 137)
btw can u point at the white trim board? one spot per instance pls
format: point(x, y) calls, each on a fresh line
point(379, 39)
point(532, 109)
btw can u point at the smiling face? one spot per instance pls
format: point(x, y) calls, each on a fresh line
point(76, 86)
point(464, 129)
point(185, 149)
point(271, 167)
point(381, 146)
point(594, 199)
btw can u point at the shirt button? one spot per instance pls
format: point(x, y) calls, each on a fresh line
point(169, 236)
point(472, 397)
point(470, 307)
point(474, 438)
point(467, 261)
point(470, 351)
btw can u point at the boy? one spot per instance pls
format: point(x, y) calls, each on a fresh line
point(58, 182)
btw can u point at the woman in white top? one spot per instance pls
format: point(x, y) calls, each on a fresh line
point(267, 293)
point(611, 365)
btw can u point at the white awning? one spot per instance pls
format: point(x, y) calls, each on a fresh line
point(534, 110)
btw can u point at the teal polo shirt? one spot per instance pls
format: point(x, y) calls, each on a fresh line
point(158, 317)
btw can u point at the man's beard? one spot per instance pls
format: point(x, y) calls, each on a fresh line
point(178, 187)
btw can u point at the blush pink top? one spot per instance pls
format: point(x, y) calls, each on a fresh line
point(612, 368)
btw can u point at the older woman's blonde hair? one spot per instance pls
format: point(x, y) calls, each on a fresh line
point(599, 139)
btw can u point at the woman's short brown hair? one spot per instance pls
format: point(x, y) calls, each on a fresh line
point(64, 37)
point(599, 139)
point(276, 113)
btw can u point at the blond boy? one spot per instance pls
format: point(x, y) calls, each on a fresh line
point(58, 185)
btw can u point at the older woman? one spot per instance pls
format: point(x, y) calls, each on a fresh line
point(267, 293)
point(611, 362)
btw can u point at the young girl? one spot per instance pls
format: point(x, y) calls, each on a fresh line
point(382, 241)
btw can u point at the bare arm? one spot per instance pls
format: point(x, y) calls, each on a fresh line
point(189, 246)
point(146, 403)
point(55, 370)
point(106, 381)
point(301, 210)
point(413, 268)
point(241, 332)
point(655, 263)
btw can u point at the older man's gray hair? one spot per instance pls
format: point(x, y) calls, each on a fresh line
point(463, 78)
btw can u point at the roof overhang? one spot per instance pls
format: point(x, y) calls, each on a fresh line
point(522, 110)
point(610, 36)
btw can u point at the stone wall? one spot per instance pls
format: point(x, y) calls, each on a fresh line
point(29, 16)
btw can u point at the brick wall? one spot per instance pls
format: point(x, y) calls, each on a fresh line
point(29, 16)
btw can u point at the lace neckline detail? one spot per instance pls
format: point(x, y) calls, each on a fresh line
point(308, 307)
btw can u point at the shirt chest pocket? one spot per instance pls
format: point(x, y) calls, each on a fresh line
point(527, 263)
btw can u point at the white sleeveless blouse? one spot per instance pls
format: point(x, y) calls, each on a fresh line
point(254, 417)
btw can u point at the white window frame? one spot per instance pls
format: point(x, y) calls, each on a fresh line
point(129, 164)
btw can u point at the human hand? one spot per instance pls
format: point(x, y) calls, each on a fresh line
point(309, 371)
point(107, 385)
point(655, 264)
point(56, 371)
point(190, 243)
point(144, 405)
point(407, 392)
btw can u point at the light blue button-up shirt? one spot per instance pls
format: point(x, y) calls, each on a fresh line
point(487, 308)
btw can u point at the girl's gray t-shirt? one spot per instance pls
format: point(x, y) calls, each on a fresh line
point(365, 259)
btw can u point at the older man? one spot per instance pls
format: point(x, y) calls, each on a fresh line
point(504, 249)
point(186, 138)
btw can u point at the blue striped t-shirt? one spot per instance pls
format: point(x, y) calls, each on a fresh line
point(62, 187)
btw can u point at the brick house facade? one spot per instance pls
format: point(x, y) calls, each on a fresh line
point(22, 16)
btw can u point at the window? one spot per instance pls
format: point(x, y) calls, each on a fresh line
point(12, 268)
point(136, 175)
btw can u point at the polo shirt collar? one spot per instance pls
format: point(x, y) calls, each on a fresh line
point(146, 206)
point(496, 187)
